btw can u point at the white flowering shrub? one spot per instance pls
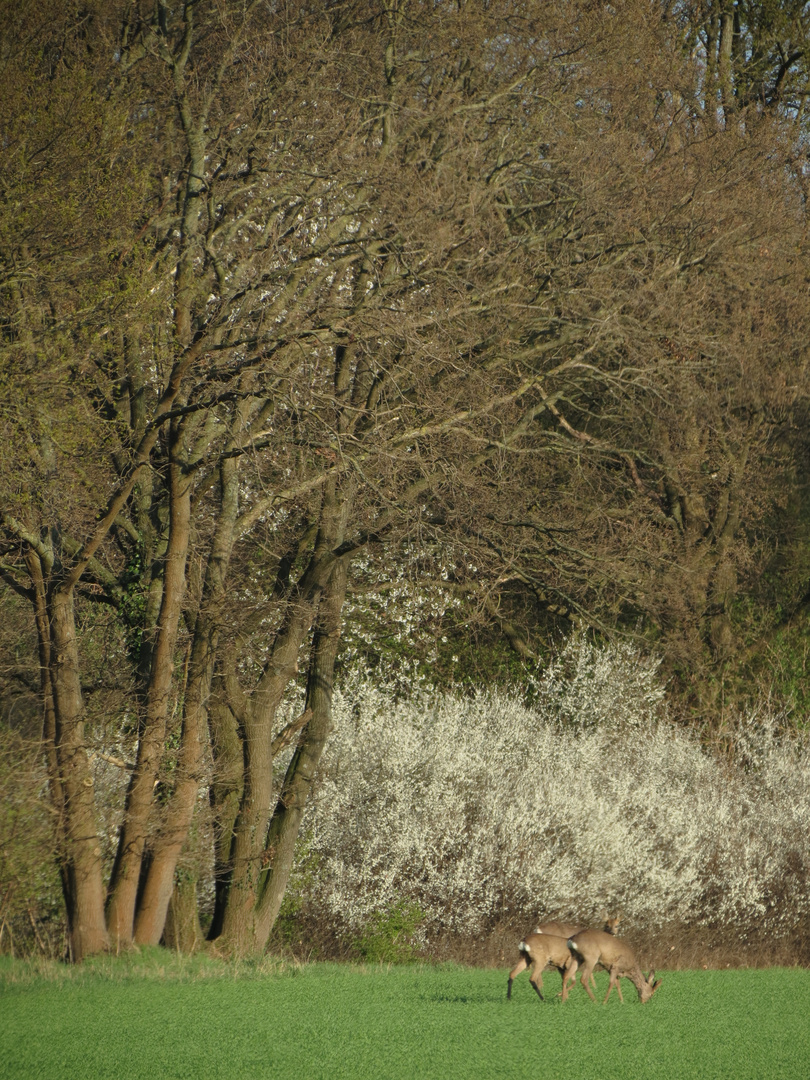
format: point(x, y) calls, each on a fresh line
point(394, 613)
point(479, 809)
point(590, 686)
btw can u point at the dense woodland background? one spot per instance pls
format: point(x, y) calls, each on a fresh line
point(411, 345)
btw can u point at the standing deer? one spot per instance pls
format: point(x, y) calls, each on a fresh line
point(595, 948)
point(541, 951)
point(548, 947)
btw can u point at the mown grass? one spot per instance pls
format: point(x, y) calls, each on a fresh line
point(155, 1017)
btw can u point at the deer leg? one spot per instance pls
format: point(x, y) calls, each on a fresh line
point(614, 981)
point(536, 979)
point(521, 965)
point(586, 977)
point(569, 976)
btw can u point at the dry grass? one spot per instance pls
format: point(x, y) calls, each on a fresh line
point(675, 948)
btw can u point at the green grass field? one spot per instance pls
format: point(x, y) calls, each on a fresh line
point(156, 1017)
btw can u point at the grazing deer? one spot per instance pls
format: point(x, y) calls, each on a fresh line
point(595, 948)
point(541, 951)
point(552, 929)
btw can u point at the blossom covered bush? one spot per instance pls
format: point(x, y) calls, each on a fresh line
point(476, 809)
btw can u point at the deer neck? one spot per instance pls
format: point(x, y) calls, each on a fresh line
point(636, 977)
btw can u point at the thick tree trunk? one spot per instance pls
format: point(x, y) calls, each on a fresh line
point(182, 924)
point(81, 857)
point(238, 934)
point(126, 874)
point(55, 785)
point(159, 883)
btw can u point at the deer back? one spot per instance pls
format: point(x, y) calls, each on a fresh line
point(558, 929)
point(599, 947)
point(566, 930)
point(546, 949)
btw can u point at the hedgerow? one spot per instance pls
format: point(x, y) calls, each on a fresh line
point(475, 809)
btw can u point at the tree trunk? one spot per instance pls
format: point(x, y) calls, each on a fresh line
point(55, 786)
point(247, 847)
point(244, 929)
point(81, 858)
point(126, 874)
point(182, 924)
point(724, 59)
point(159, 883)
point(227, 786)
point(286, 821)
point(240, 933)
